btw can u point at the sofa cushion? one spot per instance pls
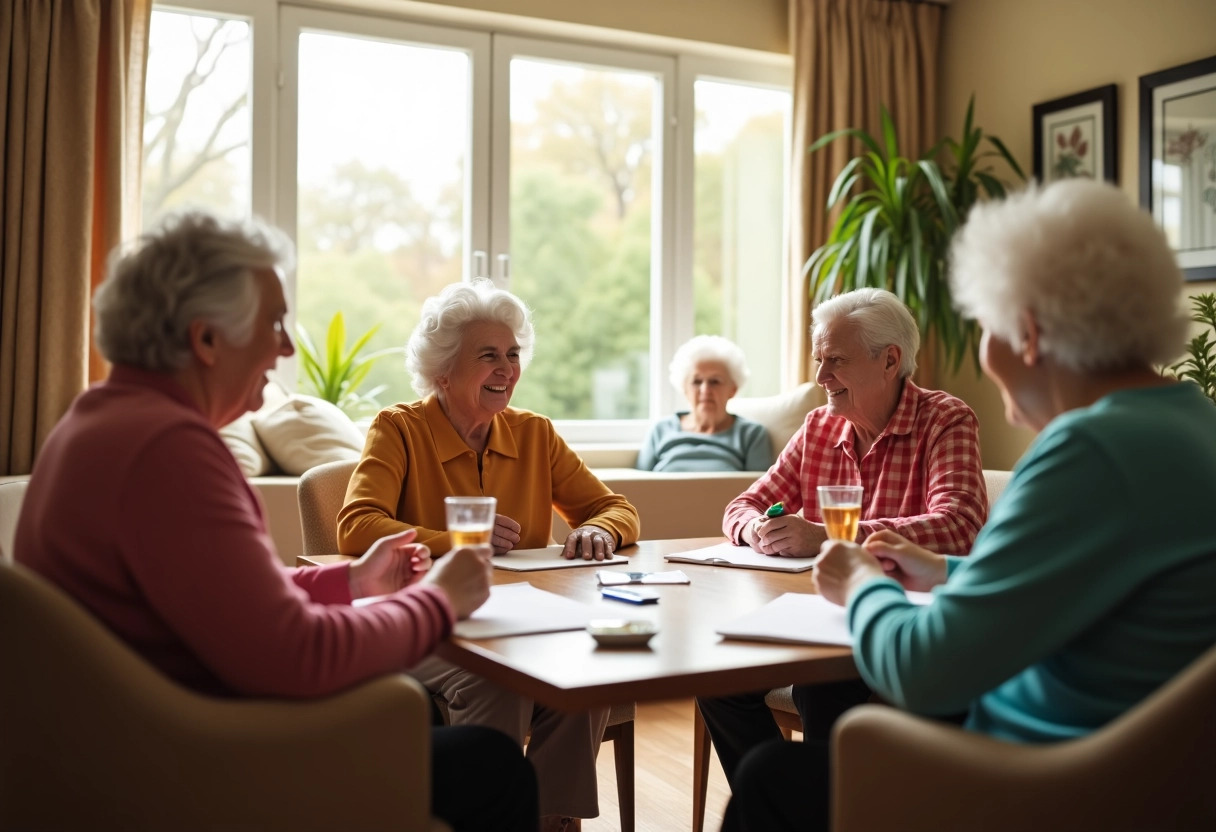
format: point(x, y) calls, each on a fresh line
point(304, 431)
point(242, 440)
point(782, 414)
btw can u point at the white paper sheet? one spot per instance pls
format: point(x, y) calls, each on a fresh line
point(799, 618)
point(728, 554)
point(608, 577)
point(531, 560)
point(521, 609)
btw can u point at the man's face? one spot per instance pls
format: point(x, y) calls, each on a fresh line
point(859, 386)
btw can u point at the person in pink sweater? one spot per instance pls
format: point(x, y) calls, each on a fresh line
point(138, 510)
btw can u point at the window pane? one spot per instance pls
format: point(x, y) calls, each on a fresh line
point(383, 136)
point(196, 115)
point(581, 148)
point(738, 239)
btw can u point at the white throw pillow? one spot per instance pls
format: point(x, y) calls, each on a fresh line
point(303, 432)
point(242, 440)
point(782, 414)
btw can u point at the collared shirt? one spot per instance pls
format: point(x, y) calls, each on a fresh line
point(922, 477)
point(414, 458)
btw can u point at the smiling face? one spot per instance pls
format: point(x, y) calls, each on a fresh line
point(708, 388)
point(483, 375)
point(860, 387)
point(240, 369)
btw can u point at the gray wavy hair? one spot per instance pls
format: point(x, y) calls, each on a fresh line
point(192, 266)
point(1096, 272)
point(435, 342)
point(708, 348)
point(881, 318)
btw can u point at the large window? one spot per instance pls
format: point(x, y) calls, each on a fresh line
point(631, 198)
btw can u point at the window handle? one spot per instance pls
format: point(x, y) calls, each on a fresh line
point(480, 262)
point(504, 267)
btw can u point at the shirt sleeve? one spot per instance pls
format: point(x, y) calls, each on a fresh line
point(758, 447)
point(779, 484)
point(956, 499)
point(581, 499)
point(989, 621)
point(208, 569)
point(370, 511)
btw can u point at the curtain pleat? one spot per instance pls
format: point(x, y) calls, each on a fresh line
point(72, 70)
point(850, 56)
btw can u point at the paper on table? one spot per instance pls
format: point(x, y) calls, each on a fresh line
point(531, 560)
point(728, 554)
point(799, 618)
point(609, 578)
point(521, 609)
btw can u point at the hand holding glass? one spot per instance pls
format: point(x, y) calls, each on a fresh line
point(840, 506)
point(470, 520)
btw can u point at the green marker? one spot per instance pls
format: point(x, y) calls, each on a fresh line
point(775, 510)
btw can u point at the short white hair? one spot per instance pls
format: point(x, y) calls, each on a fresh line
point(1095, 271)
point(192, 266)
point(708, 348)
point(435, 342)
point(882, 320)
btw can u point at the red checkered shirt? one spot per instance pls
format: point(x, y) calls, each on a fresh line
point(922, 477)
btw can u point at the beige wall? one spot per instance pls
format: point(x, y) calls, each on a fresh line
point(1014, 54)
point(749, 24)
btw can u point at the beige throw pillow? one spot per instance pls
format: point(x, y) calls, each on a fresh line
point(242, 440)
point(782, 414)
point(303, 432)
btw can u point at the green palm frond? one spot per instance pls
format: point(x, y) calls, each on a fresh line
point(897, 220)
point(337, 373)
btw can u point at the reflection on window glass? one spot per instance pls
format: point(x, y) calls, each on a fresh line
point(383, 137)
point(582, 144)
point(196, 115)
point(739, 220)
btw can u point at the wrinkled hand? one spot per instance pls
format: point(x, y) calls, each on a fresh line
point(505, 535)
point(841, 568)
point(787, 536)
point(391, 563)
point(464, 576)
point(589, 543)
point(915, 567)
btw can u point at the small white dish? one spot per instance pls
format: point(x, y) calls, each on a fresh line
point(620, 632)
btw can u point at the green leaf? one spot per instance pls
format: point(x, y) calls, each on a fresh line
point(336, 374)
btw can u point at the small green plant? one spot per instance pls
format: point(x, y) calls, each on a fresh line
point(336, 374)
point(1200, 366)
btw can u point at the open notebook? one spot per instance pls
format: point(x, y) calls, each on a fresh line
point(800, 618)
point(744, 557)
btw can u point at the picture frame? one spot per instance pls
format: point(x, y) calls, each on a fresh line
point(1077, 135)
point(1178, 161)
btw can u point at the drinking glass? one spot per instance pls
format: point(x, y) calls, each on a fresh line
point(840, 506)
point(470, 520)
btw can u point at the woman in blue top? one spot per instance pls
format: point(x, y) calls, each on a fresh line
point(708, 370)
point(1094, 581)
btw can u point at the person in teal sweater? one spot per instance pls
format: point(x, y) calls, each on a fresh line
point(707, 370)
point(1094, 580)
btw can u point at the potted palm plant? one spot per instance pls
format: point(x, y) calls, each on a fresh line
point(336, 373)
point(897, 216)
point(1200, 364)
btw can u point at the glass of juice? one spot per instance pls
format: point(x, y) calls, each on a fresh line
point(470, 520)
point(840, 507)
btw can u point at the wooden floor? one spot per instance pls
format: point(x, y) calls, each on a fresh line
point(663, 773)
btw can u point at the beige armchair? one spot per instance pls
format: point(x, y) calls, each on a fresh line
point(781, 700)
point(322, 492)
point(95, 738)
point(1150, 769)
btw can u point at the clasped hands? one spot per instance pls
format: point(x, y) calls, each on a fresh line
point(586, 542)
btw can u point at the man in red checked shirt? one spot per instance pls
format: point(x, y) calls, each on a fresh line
point(914, 452)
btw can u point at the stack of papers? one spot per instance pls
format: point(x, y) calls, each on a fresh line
point(531, 560)
point(800, 618)
point(728, 554)
point(522, 609)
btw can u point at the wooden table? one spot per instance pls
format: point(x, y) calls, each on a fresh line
point(686, 658)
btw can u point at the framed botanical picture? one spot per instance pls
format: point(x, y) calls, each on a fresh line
point(1178, 161)
point(1075, 136)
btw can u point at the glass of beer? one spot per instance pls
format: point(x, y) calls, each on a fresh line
point(470, 520)
point(840, 506)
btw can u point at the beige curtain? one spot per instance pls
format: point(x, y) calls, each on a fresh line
point(71, 93)
point(849, 57)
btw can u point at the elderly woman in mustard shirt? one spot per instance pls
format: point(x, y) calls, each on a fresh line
point(466, 356)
